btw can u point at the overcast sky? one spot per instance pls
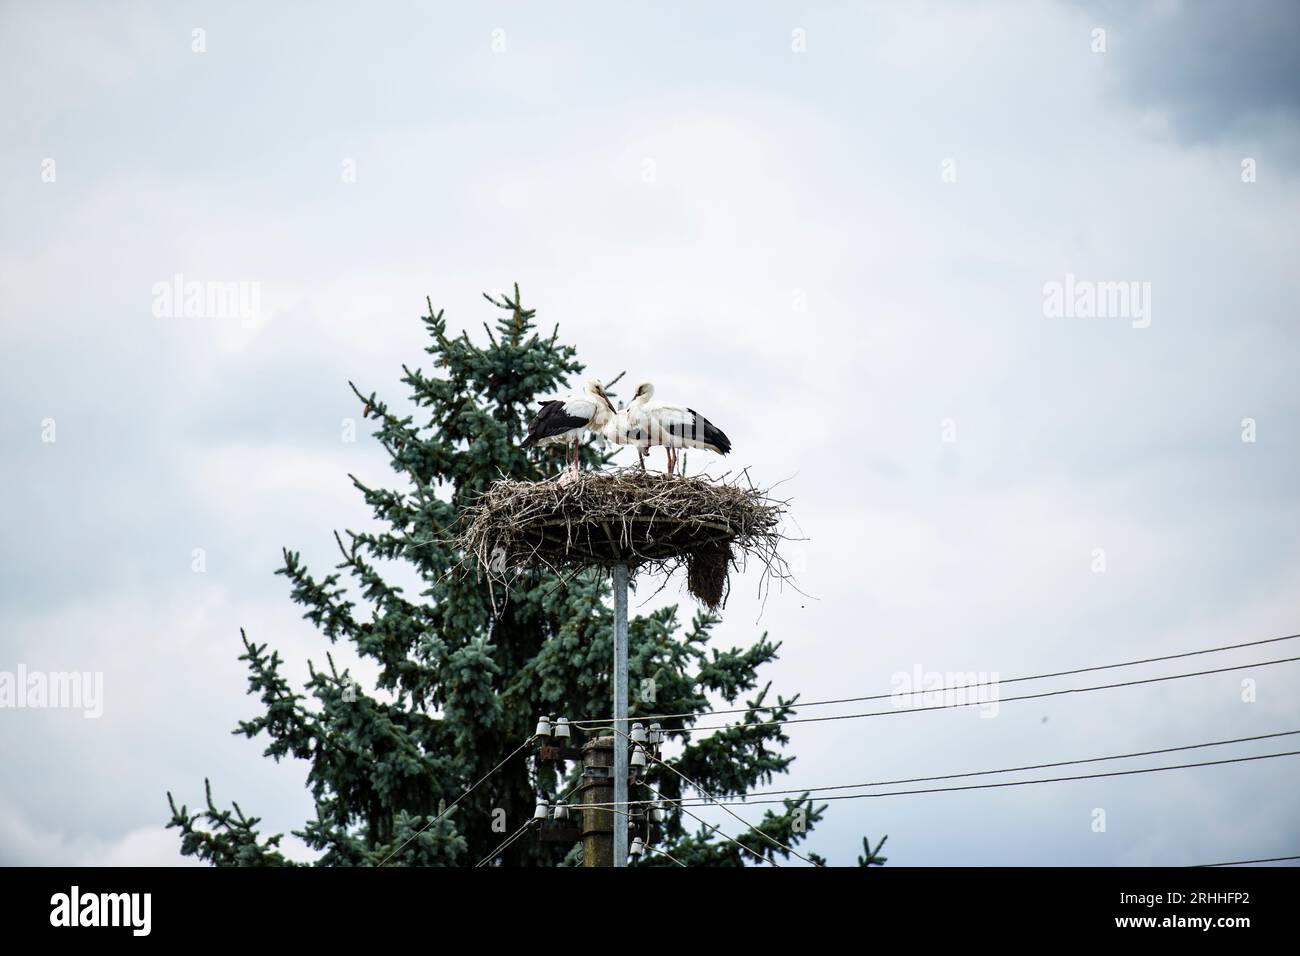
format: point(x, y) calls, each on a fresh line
point(829, 227)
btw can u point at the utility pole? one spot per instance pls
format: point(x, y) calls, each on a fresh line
point(608, 765)
point(605, 759)
point(598, 823)
point(620, 714)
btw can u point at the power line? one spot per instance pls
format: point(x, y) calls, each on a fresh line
point(1271, 859)
point(1037, 766)
point(743, 800)
point(965, 703)
point(1017, 783)
point(448, 809)
point(655, 849)
point(711, 827)
point(510, 840)
point(764, 835)
point(506, 844)
point(1009, 680)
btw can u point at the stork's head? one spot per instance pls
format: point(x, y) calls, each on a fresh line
point(645, 391)
point(597, 391)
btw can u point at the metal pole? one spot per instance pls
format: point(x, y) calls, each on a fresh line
point(620, 715)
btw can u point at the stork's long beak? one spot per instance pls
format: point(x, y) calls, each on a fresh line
point(608, 404)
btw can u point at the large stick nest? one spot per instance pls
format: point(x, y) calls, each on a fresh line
point(627, 516)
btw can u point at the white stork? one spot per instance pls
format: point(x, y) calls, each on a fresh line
point(566, 420)
point(646, 423)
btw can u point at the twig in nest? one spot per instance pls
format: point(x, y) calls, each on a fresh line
point(641, 519)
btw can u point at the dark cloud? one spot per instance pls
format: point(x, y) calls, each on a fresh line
point(1219, 69)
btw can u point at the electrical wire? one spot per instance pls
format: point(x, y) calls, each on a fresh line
point(964, 703)
point(1009, 680)
point(506, 844)
point(1012, 783)
point(510, 840)
point(716, 829)
point(698, 787)
point(655, 849)
point(708, 799)
point(448, 809)
point(1036, 766)
point(1271, 859)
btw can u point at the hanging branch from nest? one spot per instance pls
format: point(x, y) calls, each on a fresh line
point(646, 520)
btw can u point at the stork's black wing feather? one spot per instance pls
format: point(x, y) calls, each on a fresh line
point(710, 432)
point(551, 420)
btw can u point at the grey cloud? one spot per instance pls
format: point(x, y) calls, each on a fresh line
point(1219, 69)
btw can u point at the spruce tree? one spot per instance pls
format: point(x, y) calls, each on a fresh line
point(464, 672)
